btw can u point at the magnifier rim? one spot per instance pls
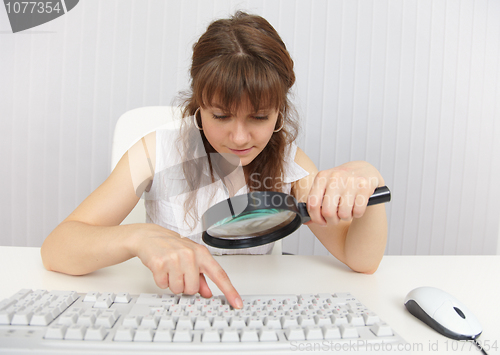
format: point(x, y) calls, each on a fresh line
point(288, 203)
point(253, 241)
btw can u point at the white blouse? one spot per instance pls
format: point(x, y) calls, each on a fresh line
point(165, 200)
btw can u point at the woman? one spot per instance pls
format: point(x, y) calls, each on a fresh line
point(237, 136)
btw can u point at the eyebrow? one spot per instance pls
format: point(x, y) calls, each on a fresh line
point(215, 105)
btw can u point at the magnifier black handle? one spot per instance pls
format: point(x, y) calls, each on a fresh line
point(380, 195)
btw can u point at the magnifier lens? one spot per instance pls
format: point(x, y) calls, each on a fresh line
point(251, 224)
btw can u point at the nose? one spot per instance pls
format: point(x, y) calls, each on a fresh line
point(240, 134)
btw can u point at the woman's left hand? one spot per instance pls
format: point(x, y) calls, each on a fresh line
point(342, 193)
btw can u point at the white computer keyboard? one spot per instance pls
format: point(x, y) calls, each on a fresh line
point(40, 321)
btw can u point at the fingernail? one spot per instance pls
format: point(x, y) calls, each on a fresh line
point(238, 302)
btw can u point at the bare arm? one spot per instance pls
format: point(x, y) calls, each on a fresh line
point(336, 201)
point(91, 237)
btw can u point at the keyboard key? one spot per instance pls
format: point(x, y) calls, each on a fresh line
point(182, 335)
point(157, 311)
point(355, 306)
point(214, 301)
point(48, 297)
point(22, 318)
point(210, 335)
point(249, 335)
point(170, 298)
point(267, 334)
point(219, 322)
point(230, 335)
point(313, 333)
point(72, 295)
point(6, 303)
point(150, 321)
point(56, 332)
point(294, 332)
point(122, 297)
point(103, 302)
point(305, 321)
point(193, 313)
point(381, 330)
point(114, 314)
point(237, 322)
point(294, 313)
point(68, 318)
point(322, 320)
point(226, 314)
point(95, 333)
point(106, 320)
point(21, 294)
point(348, 331)
point(75, 332)
point(42, 318)
point(6, 317)
point(338, 319)
point(53, 310)
point(167, 322)
point(76, 310)
point(291, 301)
point(272, 322)
point(87, 319)
point(132, 321)
point(163, 334)
point(91, 297)
point(186, 300)
point(370, 318)
point(202, 322)
point(124, 334)
point(356, 319)
point(143, 334)
point(176, 314)
point(148, 299)
point(200, 301)
point(185, 322)
point(288, 321)
point(254, 322)
point(330, 332)
point(245, 314)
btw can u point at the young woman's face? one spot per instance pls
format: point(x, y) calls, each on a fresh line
point(244, 133)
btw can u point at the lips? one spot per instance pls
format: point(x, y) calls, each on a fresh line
point(241, 151)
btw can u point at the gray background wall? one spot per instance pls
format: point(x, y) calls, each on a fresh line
point(411, 86)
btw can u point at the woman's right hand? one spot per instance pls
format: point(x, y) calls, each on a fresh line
point(180, 264)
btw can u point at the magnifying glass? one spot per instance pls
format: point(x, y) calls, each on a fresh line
point(260, 217)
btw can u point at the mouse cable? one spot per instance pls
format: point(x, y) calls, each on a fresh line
point(479, 346)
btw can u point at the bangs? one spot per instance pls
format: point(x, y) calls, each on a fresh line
point(229, 81)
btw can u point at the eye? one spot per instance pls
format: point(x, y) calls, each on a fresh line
point(261, 118)
point(219, 117)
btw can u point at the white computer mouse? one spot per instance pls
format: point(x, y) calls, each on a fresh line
point(443, 312)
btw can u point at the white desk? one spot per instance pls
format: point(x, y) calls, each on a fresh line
point(474, 280)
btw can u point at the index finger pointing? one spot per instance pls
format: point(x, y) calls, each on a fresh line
point(215, 272)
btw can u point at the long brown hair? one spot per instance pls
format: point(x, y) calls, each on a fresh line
point(240, 58)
